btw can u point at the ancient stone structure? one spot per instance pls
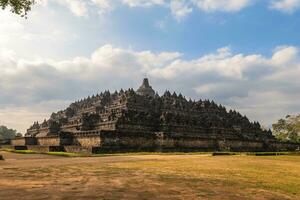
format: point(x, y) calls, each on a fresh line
point(144, 121)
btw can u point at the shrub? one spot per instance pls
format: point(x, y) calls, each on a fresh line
point(273, 153)
point(66, 154)
point(223, 153)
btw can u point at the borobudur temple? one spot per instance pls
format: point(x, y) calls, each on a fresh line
point(142, 120)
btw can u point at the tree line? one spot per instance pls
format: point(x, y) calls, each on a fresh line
point(287, 129)
point(7, 133)
point(19, 7)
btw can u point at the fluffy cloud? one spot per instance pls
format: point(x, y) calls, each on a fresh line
point(265, 88)
point(180, 9)
point(288, 6)
point(221, 5)
point(82, 8)
point(103, 6)
point(77, 7)
point(143, 3)
point(34, 37)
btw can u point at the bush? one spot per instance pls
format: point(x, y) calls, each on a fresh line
point(1, 157)
point(273, 153)
point(66, 154)
point(223, 153)
point(24, 151)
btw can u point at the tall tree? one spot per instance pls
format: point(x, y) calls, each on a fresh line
point(288, 129)
point(19, 7)
point(6, 133)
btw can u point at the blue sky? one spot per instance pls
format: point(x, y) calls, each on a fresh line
point(241, 53)
point(254, 29)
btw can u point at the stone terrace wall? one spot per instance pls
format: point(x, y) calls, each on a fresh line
point(238, 145)
point(49, 141)
point(78, 149)
point(18, 142)
point(87, 141)
point(24, 141)
point(7, 147)
point(38, 148)
point(122, 142)
point(284, 146)
point(111, 141)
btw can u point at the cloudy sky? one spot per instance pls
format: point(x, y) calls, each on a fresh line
point(241, 53)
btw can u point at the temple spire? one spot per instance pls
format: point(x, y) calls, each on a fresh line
point(146, 83)
point(145, 89)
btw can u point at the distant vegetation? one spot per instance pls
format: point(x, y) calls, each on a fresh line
point(19, 7)
point(6, 133)
point(288, 129)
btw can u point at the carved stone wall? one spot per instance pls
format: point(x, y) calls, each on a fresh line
point(284, 146)
point(238, 145)
point(38, 148)
point(18, 142)
point(7, 147)
point(49, 141)
point(161, 142)
point(78, 149)
point(87, 141)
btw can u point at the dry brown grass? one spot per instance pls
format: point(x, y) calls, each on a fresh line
point(35, 176)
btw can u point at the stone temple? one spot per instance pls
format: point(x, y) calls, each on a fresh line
point(142, 120)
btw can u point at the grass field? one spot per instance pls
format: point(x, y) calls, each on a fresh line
point(138, 176)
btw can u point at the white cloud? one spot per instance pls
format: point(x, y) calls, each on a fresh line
point(221, 5)
point(34, 37)
point(143, 3)
point(287, 6)
point(265, 88)
point(82, 8)
point(78, 7)
point(285, 56)
point(180, 9)
point(104, 6)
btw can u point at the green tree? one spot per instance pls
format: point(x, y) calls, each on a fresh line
point(19, 7)
point(6, 133)
point(288, 129)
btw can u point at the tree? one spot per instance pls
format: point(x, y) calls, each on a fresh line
point(288, 129)
point(6, 133)
point(19, 7)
